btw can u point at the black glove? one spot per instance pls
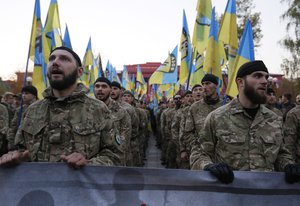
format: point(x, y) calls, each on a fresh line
point(222, 171)
point(292, 173)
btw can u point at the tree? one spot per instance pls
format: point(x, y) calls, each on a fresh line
point(291, 42)
point(244, 12)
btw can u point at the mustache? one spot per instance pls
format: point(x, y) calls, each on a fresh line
point(56, 70)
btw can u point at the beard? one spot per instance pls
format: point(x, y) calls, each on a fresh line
point(65, 83)
point(253, 96)
point(103, 98)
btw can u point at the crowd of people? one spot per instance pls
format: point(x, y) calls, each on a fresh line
point(195, 130)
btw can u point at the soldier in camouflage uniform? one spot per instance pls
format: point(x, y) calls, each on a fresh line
point(289, 156)
point(271, 102)
point(242, 135)
point(8, 101)
point(165, 130)
point(178, 126)
point(3, 128)
point(199, 110)
point(116, 95)
point(162, 107)
point(29, 95)
point(172, 140)
point(66, 125)
point(138, 153)
point(121, 119)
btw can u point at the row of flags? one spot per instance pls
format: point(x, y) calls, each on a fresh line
point(212, 49)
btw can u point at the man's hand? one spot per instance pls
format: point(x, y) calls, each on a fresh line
point(292, 173)
point(13, 158)
point(222, 171)
point(75, 160)
point(184, 156)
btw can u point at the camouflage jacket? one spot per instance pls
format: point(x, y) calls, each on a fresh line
point(290, 152)
point(121, 124)
point(134, 119)
point(77, 123)
point(184, 142)
point(195, 120)
point(175, 126)
point(14, 126)
point(231, 136)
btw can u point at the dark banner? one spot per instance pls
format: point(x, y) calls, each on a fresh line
point(57, 184)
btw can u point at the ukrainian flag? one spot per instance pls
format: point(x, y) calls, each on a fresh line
point(244, 55)
point(186, 52)
point(166, 73)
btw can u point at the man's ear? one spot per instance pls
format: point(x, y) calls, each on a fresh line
point(80, 71)
point(240, 82)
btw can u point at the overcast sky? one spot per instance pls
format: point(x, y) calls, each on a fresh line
point(125, 31)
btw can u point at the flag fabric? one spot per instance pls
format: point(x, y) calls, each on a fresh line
point(202, 25)
point(186, 52)
point(67, 39)
point(169, 90)
point(166, 73)
point(228, 29)
point(245, 54)
point(212, 58)
point(36, 52)
point(88, 64)
point(141, 85)
point(111, 73)
point(52, 26)
point(98, 62)
point(228, 33)
point(126, 82)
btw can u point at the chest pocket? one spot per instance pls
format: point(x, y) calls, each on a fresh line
point(87, 139)
point(34, 131)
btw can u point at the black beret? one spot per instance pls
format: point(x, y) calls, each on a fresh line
point(116, 84)
point(70, 51)
point(210, 78)
point(195, 86)
point(103, 79)
point(30, 89)
point(250, 67)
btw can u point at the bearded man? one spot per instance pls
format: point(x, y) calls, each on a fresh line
point(242, 135)
point(67, 125)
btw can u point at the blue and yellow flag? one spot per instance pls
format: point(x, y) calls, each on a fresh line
point(186, 52)
point(228, 33)
point(197, 72)
point(166, 73)
point(88, 64)
point(141, 85)
point(212, 63)
point(111, 73)
point(36, 52)
point(67, 39)
point(126, 82)
point(244, 55)
point(202, 24)
point(52, 28)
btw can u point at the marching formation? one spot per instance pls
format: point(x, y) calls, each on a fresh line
point(195, 130)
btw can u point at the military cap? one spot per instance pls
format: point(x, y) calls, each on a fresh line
point(250, 67)
point(77, 58)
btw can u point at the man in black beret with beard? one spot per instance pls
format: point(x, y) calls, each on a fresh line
point(242, 135)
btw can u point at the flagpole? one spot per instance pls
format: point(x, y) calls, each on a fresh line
point(190, 71)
